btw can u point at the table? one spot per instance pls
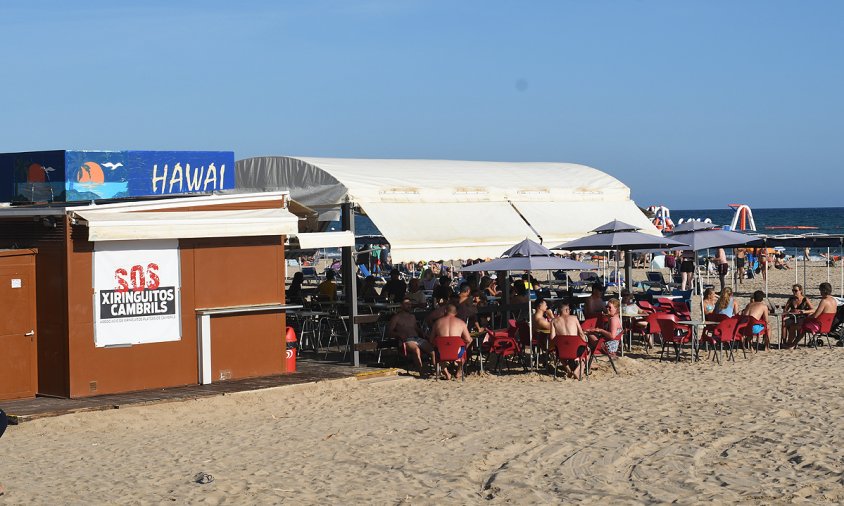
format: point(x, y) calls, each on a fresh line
point(309, 327)
point(631, 321)
point(694, 324)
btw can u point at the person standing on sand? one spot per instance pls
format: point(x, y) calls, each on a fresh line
point(722, 266)
point(741, 260)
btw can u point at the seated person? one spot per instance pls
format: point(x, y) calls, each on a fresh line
point(595, 304)
point(709, 301)
point(451, 325)
point(294, 292)
point(327, 290)
point(443, 291)
point(403, 326)
point(726, 304)
point(415, 293)
point(489, 287)
point(566, 324)
point(395, 287)
point(368, 292)
point(758, 310)
point(780, 263)
point(796, 309)
point(827, 305)
point(612, 333)
point(829, 260)
point(629, 308)
point(520, 294)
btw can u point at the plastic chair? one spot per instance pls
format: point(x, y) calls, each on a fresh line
point(503, 346)
point(571, 348)
point(675, 334)
point(811, 336)
point(747, 332)
point(450, 349)
point(724, 332)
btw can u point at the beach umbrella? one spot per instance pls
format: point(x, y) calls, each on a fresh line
point(619, 236)
point(529, 256)
point(700, 236)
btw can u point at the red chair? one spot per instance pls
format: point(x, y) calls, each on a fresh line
point(824, 326)
point(589, 323)
point(503, 347)
point(450, 349)
point(664, 305)
point(681, 309)
point(571, 348)
point(715, 318)
point(748, 334)
point(725, 333)
point(675, 334)
point(646, 306)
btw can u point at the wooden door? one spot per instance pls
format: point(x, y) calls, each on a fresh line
point(18, 352)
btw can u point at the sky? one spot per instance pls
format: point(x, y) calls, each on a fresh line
point(692, 104)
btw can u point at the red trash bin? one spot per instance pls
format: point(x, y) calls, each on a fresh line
point(292, 347)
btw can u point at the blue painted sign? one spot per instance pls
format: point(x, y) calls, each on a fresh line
point(94, 175)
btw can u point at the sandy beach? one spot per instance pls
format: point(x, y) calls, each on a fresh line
point(761, 430)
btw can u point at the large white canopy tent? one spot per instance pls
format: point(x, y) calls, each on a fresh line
point(446, 209)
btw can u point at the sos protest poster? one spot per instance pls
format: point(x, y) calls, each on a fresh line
point(136, 292)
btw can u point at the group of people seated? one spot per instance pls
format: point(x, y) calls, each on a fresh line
point(799, 315)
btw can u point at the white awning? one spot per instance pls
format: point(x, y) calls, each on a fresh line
point(316, 240)
point(559, 222)
point(452, 209)
point(122, 226)
point(447, 230)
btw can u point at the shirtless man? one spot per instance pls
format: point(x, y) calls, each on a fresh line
point(403, 326)
point(758, 310)
point(542, 323)
point(566, 324)
point(827, 305)
point(595, 304)
point(451, 325)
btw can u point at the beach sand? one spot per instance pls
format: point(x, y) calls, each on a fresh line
point(760, 430)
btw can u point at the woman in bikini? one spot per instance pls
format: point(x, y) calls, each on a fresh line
point(794, 312)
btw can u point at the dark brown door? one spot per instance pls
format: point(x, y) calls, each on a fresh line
point(18, 359)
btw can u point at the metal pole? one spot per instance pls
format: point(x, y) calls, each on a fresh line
point(350, 285)
point(628, 270)
point(795, 265)
point(828, 258)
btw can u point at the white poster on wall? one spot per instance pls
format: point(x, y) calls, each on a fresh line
point(136, 292)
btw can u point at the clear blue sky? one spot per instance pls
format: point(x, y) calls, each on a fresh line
point(691, 104)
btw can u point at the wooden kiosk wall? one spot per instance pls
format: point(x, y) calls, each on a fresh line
point(214, 273)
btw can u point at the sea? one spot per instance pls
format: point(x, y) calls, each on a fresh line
point(826, 220)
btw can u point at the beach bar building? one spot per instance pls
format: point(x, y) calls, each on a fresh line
point(447, 209)
point(130, 270)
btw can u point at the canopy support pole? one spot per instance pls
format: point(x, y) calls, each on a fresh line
point(628, 270)
point(350, 281)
